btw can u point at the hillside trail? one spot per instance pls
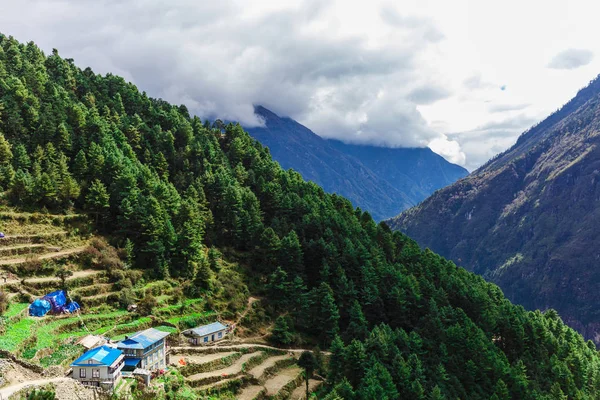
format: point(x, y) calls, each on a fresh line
point(251, 301)
point(77, 274)
point(232, 369)
point(8, 391)
point(46, 256)
point(234, 347)
point(36, 235)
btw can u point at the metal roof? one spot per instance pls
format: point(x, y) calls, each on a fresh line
point(102, 355)
point(208, 329)
point(132, 362)
point(143, 339)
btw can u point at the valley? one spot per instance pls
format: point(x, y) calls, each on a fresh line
point(163, 228)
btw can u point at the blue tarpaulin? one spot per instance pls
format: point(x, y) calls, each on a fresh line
point(72, 307)
point(57, 299)
point(39, 307)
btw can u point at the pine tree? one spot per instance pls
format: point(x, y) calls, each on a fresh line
point(307, 362)
point(377, 384)
point(97, 199)
point(436, 394)
point(325, 314)
point(358, 327)
point(290, 254)
point(282, 332)
point(501, 390)
point(355, 358)
point(336, 361)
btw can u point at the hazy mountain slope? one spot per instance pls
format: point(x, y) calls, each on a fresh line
point(381, 181)
point(297, 147)
point(528, 219)
point(418, 172)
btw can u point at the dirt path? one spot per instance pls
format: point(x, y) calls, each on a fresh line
point(24, 246)
point(300, 392)
point(283, 377)
point(199, 359)
point(47, 256)
point(259, 370)
point(76, 274)
point(251, 300)
point(35, 236)
point(233, 369)
point(8, 391)
point(236, 347)
point(250, 392)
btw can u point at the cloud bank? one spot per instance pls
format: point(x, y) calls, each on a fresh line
point(571, 59)
point(222, 58)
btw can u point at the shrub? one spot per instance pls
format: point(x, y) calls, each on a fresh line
point(3, 302)
point(147, 305)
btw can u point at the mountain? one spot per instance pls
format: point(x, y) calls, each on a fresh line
point(379, 180)
point(417, 172)
point(528, 219)
point(203, 217)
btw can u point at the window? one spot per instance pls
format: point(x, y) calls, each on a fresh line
point(220, 335)
point(82, 372)
point(95, 373)
point(205, 339)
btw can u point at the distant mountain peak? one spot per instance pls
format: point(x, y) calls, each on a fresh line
point(383, 181)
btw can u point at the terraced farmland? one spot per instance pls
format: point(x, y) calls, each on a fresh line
point(34, 248)
point(250, 372)
point(37, 246)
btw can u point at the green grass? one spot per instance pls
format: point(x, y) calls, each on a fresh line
point(175, 307)
point(15, 309)
point(130, 327)
point(191, 320)
point(16, 333)
point(165, 328)
point(62, 353)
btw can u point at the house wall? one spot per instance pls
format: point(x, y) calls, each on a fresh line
point(102, 375)
point(200, 340)
point(154, 357)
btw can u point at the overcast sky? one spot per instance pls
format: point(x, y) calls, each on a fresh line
point(462, 77)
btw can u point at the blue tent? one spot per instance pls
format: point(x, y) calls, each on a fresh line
point(72, 307)
point(39, 308)
point(57, 299)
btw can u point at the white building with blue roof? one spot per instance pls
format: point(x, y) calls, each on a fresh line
point(207, 333)
point(145, 349)
point(100, 367)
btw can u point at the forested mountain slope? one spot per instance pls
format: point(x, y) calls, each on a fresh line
point(528, 219)
point(383, 181)
point(399, 322)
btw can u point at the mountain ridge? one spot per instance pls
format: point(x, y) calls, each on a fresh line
point(525, 220)
point(377, 179)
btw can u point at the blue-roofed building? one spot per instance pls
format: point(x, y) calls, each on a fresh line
point(145, 349)
point(99, 367)
point(206, 334)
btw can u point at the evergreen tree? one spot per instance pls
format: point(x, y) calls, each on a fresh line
point(282, 332)
point(307, 363)
point(377, 384)
point(97, 199)
point(337, 361)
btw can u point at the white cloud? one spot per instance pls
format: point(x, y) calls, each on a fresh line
point(571, 59)
point(422, 73)
point(449, 149)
